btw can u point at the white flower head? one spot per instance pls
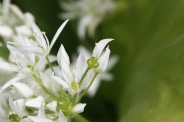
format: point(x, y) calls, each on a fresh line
point(14, 21)
point(106, 76)
point(100, 58)
point(71, 77)
point(90, 13)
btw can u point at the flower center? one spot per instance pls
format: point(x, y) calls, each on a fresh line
point(74, 86)
point(14, 118)
point(93, 62)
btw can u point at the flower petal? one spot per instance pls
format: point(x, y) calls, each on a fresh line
point(52, 106)
point(62, 117)
point(62, 55)
point(99, 47)
point(59, 80)
point(35, 103)
point(39, 119)
point(57, 34)
point(78, 108)
point(9, 67)
point(6, 85)
point(103, 61)
point(23, 89)
point(41, 112)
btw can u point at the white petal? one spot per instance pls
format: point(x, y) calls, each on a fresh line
point(57, 34)
point(13, 106)
point(103, 61)
point(39, 36)
point(99, 47)
point(6, 31)
point(62, 117)
point(46, 80)
point(17, 11)
point(23, 89)
point(35, 103)
point(112, 62)
point(24, 30)
point(41, 112)
point(59, 80)
point(62, 55)
point(5, 6)
point(83, 24)
point(52, 106)
point(9, 67)
point(78, 108)
point(20, 103)
point(80, 67)
point(94, 87)
point(39, 119)
point(6, 85)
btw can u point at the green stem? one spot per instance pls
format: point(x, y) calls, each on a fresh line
point(83, 76)
point(80, 118)
point(45, 89)
point(47, 58)
point(86, 90)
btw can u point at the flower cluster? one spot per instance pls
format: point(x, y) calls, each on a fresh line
point(13, 21)
point(90, 13)
point(43, 92)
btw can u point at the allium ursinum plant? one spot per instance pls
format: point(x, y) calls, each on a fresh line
point(13, 21)
point(106, 76)
point(41, 92)
point(90, 13)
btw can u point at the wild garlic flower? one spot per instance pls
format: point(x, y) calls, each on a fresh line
point(25, 61)
point(71, 79)
point(90, 13)
point(13, 21)
point(106, 76)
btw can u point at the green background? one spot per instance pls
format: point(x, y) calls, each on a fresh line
point(148, 83)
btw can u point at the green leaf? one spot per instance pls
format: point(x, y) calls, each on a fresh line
point(149, 38)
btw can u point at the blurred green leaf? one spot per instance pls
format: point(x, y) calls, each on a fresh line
point(151, 67)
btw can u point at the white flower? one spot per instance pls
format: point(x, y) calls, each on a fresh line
point(78, 108)
point(26, 62)
point(90, 13)
point(36, 102)
point(71, 77)
point(102, 57)
point(103, 76)
point(13, 21)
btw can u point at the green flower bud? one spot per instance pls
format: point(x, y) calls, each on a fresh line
point(14, 118)
point(93, 62)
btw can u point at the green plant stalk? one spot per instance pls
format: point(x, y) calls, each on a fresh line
point(47, 58)
point(80, 118)
point(45, 89)
point(83, 76)
point(86, 90)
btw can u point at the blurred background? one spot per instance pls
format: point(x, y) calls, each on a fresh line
point(148, 84)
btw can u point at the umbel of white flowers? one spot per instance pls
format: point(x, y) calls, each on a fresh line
point(90, 13)
point(41, 92)
point(13, 21)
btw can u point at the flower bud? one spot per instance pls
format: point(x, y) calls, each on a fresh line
point(93, 62)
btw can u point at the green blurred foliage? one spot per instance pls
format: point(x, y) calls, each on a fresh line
point(148, 79)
